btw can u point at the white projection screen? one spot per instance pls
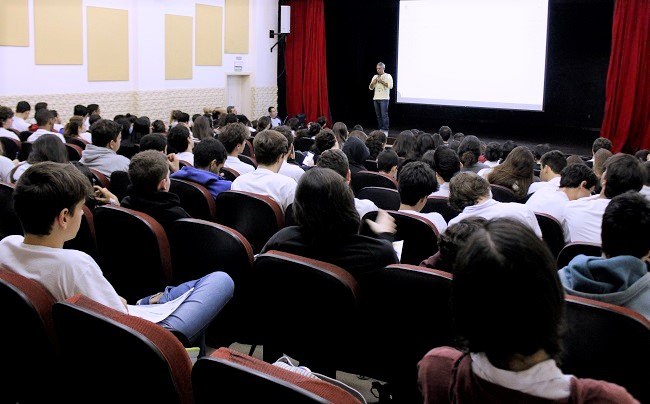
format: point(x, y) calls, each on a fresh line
point(473, 53)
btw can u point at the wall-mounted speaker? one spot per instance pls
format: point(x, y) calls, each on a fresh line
point(285, 19)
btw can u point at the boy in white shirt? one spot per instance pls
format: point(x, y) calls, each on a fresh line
point(447, 164)
point(22, 113)
point(233, 136)
point(416, 181)
point(45, 122)
point(551, 165)
point(289, 167)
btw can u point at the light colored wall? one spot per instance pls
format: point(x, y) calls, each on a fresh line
point(146, 92)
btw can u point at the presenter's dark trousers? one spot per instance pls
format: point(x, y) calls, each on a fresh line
point(381, 110)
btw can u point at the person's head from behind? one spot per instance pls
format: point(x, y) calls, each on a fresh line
point(202, 129)
point(551, 164)
point(270, 147)
point(469, 151)
point(387, 162)
point(493, 152)
point(233, 136)
point(141, 127)
point(622, 173)
point(425, 142)
point(180, 139)
point(376, 143)
point(263, 123)
point(93, 109)
point(324, 205)
point(286, 132)
point(336, 160)
point(322, 121)
point(341, 132)
point(541, 149)
point(359, 134)
point(600, 157)
point(601, 143)
point(325, 140)
point(63, 187)
point(106, 133)
point(209, 155)
point(415, 183)
point(574, 159)
point(23, 108)
point(454, 238)
point(149, 172)
point(74, 126)
point(625, 226)
point(44, 119)
point(48, 147)
point(154, 141)
point(467, 189)
point(447, 163)
point(642, 155)
point(313, 129)
point(646, 167)
point(405, 144)
point(294, 123)
point(80, 110)
point(356, 151)
point(507, 300)
point(6, 117)
point(158, 126)
point(445, 132)
point(578, 181)
point(506, 148)
point(92, 119)
point(40, 105)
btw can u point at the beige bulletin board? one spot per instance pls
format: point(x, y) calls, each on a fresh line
point(178, 47)
point(14, 23)
point(108, 44)
point(236, 26)
point(208, 36)
point(58, 32)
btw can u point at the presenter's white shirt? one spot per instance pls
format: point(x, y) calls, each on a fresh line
point(583, 219)
point(20, 124)
point(491, 209)
point(262, 181)
point(434, 217)
point(553, 183)
point(382, 91)
point(40, 132)
point(7, 133)
point(276, 122)
point(238, 165)
point(550, 201)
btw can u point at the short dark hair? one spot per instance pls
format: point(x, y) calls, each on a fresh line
point(269, 145)
point(386, 160)
point(469, 151)
point(183, 117)
point(541, 149)
point(232, 135)
point(506, 148)
point(207, 150)
point(376, 143)
point(497, 307)
point(43, 116)
point(153, 141)
point(263, 122)
point(286, 131)
point(270, 108)
point(229, 109)
point(465, 188)
point(92, 108)
point(642, 155)
point(572, 176)
point(60, 184)
point(454, 238)
point(416, 181)
point(429, 157)
point(492, 151)
point(23, 106)
point(40, 105)
point(157, 126)
point(625, 225)
point(445, 132)
point(324, 205)
point(623, 173)
point(447, 163)
point(93, 118)
point(179, 138)
point(103, 131)
point(325, 140)
point(80, 110)
point(555, 159)
point(322, 121)
point(5, 113)
point(336, 160)
point(293, 123)
point(601, 143)
point(147, 169)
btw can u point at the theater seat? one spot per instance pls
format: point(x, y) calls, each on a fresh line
point(195, 199)
point(10, 224)
point(384, 198)
point(440, 204)
point(364, 179)
point(572, 250)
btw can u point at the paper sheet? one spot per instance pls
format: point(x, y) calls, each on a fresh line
point(397, 246)
point(158, 312)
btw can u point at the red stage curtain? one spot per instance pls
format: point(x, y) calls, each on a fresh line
point(627, 98)
point(305, 60)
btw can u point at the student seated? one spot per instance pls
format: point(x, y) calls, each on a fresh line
point(447, 164)
point(387, 162)
point(209, 156)
point(102, 155)
point(551, 165)
point(290, 167)
point(40, 256)
point(451, 241)
point(508, 308)
point(181, 141)
point(416, 181)
point(233, 136)
point(516, 172)
point(45, 122)
point(621, 275)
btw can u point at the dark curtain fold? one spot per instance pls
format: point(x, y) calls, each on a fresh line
point(305, 60)
point(627, 96)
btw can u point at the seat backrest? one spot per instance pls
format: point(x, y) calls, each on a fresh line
point(120, 182)
point(420, 236)
point(552, 232)
point(133, 251)
point(572, 250)
point(371, 165)
point(384, 198)
point(231, 376)
point(249, 150)
point(11, 147)
point(503, 194)
point(229, 173)
point(24, 135)
point(401, 302)
point(28, 344)
point(25, 149)
point(440, 204)
point(248, 160)
point(114, 357)
point(85, 239)
point(256, 217)
point(76, 141)
point(221, 249)
point(607, 342)
point(184, 163)
point(289, 218)
point(303, 144)
point(99, 178)
point(10, 224)
point(195, 198)
point(300, 296)
point(74, 151)
point(364, 179)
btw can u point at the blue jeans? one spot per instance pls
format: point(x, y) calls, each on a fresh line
point(381, 110)
point(210, 295)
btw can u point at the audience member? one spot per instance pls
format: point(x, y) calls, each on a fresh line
point(551, 165)
point(101, 154)
point(209, 156)
point(405, 145)
point(600, 143)
point(451, 241)
point(492, 154)
point(645, 190)
point(233, 136)
point(6, 122)
point(6, 166)
point(574, 159)
point(20, 119)
point(46, 148)
point(273, 115)
point(445, 132)
point(469, 152)
point(341, 132)
point(202, 129)
point(45, 122)
point(515, 173)
point(290, 167)
point(376, 143)
point(181, 142)
point(357, 154)
point(447, 164)
point(416, 182)
point(387, 162)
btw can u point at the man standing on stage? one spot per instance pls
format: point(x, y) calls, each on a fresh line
point(382, 83)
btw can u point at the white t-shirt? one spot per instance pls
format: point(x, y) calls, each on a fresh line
point(20, 124)
point(87, 136)
point(645, 191)
point(552, 183)
point(491, 164)
point(550, 201)
point(265, 182)
point(583, 219)
point(364, 206)
point(7, 133)
point(40, 132)
point(186, 156)
point(291, 171)
point(434, 217)
point(382, 91)
point(238, 165)
point(442, 191)
point(483, 172)
point(63, 272)
point(6, 165)
point(492, 209)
